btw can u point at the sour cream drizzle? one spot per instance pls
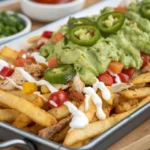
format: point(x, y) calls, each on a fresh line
point(97, 101)
point(39, 58)
point(105, 92)
point(86, 101)
point(29, 78)
point(79, 119)
point(117, 79)
point(40, 95)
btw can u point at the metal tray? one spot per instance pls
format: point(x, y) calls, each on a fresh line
point(28, 141)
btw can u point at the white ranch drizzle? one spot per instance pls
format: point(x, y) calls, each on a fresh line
point(39, 58)
point(117, 79)
point(105, 92)
point(53, 103)
point(29, 78)
point(86, 101)
point(3, 63)
point(40, 95)
point(97, 101)
point(79, 119)
point(14, 84)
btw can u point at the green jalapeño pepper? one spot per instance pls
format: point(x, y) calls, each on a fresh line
point(79, 21)
point(84, 35)
point(145, 10)
point(60, 75)
point(110, 22)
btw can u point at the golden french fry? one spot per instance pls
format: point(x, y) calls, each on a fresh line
point(19, 93)
point(8, 115)
point(96, 128)
point(3, 106)
point(137, 93)
point(91, 109)
point(143, 78)
point(37, 114)
point(9, 53)
point(80, 144)
point(23, 120)
point(34, 39)
point(59, 112)
point(60, 136)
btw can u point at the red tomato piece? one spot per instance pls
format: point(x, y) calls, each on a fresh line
point(6, 72)
point(146, 59)
point(120, 9)
point(22, 53)
point(128, 72)
point(52, 63)
point(30, 59)
point(57, 99)
point(47, 34)
point(123, 77)
point(106, 79)
point(20, 62)
point(57, 37)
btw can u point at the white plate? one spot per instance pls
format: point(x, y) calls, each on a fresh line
point(7, 2)
point(21, 43)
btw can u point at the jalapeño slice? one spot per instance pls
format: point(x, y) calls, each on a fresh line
point(110, 22)
point(60, 75)
point(84, 35)
point(79, 21)
point(145, 10)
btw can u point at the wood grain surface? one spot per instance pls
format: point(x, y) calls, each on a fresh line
point(138, 139)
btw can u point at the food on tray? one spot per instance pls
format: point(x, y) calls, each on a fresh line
point(10, 24)
point(71, 85)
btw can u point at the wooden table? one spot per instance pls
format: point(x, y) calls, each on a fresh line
point(138, 139)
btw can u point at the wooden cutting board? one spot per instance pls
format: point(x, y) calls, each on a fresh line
point(138, 139)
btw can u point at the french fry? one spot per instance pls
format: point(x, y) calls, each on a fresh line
point(37, 114)
point(143, 78)
point(19, 93)
point(80, 144)
point(59, 112)
point(34, 39)
point(3, 106)
point(60, 136)
point(9, 53)
point(23, 120)
point(8, 115)
point(137, 93)
point(96, 128)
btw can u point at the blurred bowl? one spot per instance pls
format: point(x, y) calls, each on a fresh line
point(48, 12)
point(27, 28)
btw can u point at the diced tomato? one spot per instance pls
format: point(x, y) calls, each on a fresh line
point(120, 9)
point(57, 37)
point(57, 99)
point(128, 72)
point(22, 53)
point(106, 79)
point(146, 59)
point(6, 72)
point(52, 63)
point(115, 67)
point(47, 34)
point(21, 62)
point(123, 77)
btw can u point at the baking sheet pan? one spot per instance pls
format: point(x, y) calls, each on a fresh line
point(29, 141)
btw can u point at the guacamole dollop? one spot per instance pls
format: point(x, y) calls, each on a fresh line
point(90, 61)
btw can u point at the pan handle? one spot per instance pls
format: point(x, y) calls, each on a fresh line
point(23, 144)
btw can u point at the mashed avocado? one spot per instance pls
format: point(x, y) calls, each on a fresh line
point(124, 46)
